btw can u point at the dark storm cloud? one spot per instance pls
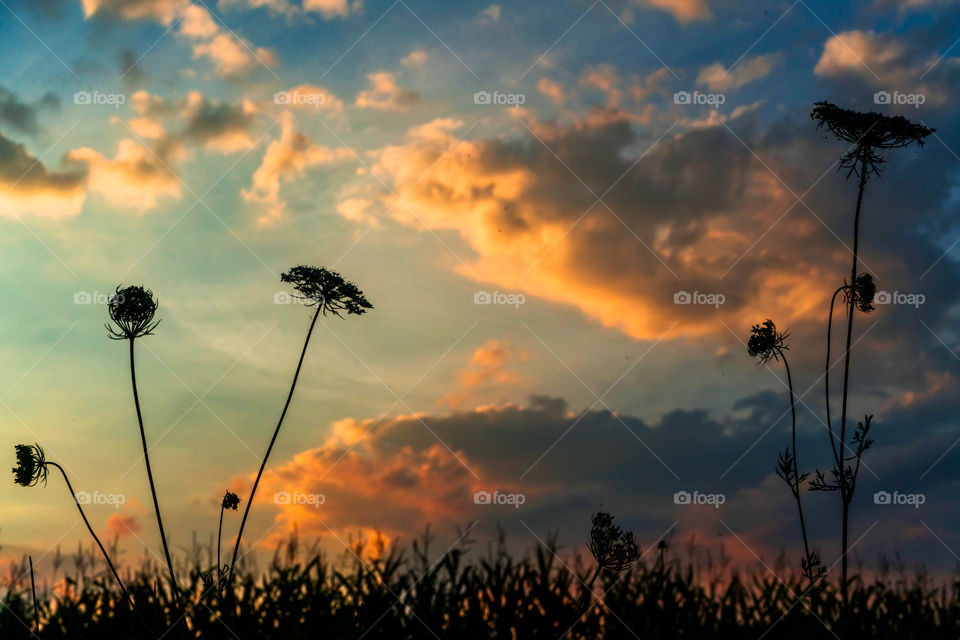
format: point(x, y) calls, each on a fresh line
point(21, 116)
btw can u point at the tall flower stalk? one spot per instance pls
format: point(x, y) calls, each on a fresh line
point(33, 468)
point(230, 501)
point(326, 292)
point(869, 134)
point(132, 311)
point(766, 343)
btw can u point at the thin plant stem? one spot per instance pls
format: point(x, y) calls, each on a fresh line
point(33, 591)
point(92, 533)
point(795, 488)
point(826, 378)
point(153, 490)
point(276, 432)
point(219, 534)
point(845, 496)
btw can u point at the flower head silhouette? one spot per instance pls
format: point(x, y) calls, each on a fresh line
point(766, 342)
point(612, 548)
point(230, 501)
point(862, 292)
point(31, 465)
point(867, 131)
point(327, 290)
point(132, 310)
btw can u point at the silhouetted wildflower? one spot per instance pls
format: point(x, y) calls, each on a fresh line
point(230, 501)
point(611, 547)
point(31, 465)
point(132, 310)
point(862, 292)
point(327, 289)
point(766, 342)
point(867, 131)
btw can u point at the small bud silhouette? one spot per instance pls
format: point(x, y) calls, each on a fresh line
point(862, 292)
point(230, 501)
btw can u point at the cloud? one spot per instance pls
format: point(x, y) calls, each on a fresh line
point(286, 159)
point(122, 526)
point(684, 11)
point(198, 23)
point(717, 78)
point(21, 116)
point(416, 58)
point(310, 97)
point(492, 13)
point(230, 54)
point(217, 125)
point(163, 11)
point(552, 90)
point(889, 62)
point(489, 367)
point(136, 178)
point(28, 187)
point(385, 94)
point(333, 8)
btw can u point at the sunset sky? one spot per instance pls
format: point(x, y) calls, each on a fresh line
point(523, 190)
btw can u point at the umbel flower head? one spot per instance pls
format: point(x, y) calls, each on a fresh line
point(611, 547)
point(230, 501)
point(766, 342)
point(862, 292)
point(132, 310)
point(31, 465)
point(327, 290)
point(868, 132)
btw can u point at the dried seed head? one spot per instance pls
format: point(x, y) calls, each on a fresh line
point(132, 310)
point(327, 289)
point(31, 465)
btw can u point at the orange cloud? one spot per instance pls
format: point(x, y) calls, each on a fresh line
point(489, 367)
point(122, 526)
point(136, 178)
point(286, 159)
point(28, 187)
point(385, 94)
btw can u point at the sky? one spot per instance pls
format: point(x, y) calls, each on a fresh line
point(567, 216)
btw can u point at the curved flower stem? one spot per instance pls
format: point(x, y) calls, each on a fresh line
point(795, 486)
point(219, 534)
point(845, 496)
point(826, 379)
point(276, 432)
point(90, 529)
point(153, 490)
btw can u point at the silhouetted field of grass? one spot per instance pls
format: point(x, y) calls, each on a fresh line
point(477, 594)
